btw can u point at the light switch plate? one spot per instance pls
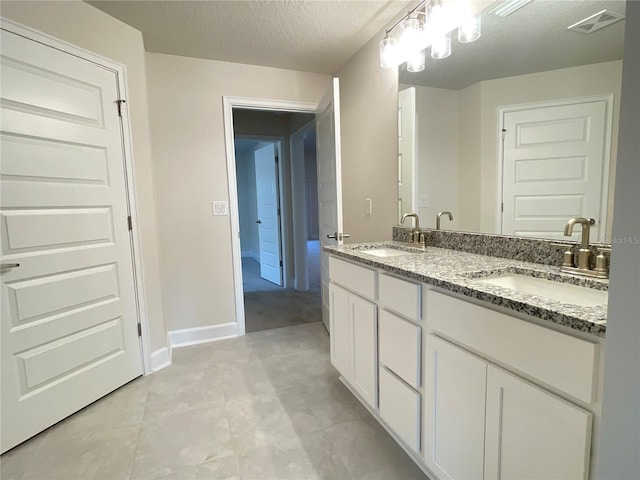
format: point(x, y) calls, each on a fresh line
point(219, 208)
point(368, 206)
point(423, 201)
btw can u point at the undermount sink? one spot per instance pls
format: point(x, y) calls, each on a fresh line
point(542, 287)
point(386, 252)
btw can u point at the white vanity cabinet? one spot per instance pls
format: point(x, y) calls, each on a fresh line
point(470, 391)
point(354, 333)
point(482, 421)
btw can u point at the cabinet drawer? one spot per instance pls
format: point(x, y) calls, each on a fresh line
point(400, 409)
point(400, 342)
point(400, 296)
point(357, 279)
point(561, 361)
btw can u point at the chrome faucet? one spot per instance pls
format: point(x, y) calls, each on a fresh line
point(440, 214)
point(415, 236)
point(580, 263)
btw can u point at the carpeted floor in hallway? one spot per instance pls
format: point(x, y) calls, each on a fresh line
point(268, 306)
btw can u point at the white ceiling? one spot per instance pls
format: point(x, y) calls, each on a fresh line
point(307, 35)
point(533, 39)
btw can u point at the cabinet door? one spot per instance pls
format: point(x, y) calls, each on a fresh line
point(531, 433)
point(340, 329)
point(364, 342)
point(455, 389)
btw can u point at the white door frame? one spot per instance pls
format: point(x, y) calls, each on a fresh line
point(283, 221)
point(228, 104)
point(120, 72)
point(606, 162)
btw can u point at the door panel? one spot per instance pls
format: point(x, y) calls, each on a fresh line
point(329, 183)
point(269, 219)
point(554, 167)
point(69, 321)
point(340, 330)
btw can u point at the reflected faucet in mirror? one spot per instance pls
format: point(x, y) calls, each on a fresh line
point(440, 214)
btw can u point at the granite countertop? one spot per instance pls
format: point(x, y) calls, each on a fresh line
point(460, 271)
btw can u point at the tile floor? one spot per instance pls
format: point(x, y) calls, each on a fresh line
point(264, 406)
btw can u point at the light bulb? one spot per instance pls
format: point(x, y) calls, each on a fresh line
point(415, 62)
point(389, 52)
point(470, 29)
point(411, 37)
point(441, 46)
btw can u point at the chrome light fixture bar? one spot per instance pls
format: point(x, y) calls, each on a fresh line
point(428, 24)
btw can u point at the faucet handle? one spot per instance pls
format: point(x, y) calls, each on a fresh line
point(567, 256)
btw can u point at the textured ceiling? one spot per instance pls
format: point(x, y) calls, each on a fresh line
point(307, 35)
point(533, 39)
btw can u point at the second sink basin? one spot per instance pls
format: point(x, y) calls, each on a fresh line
point(541, 287)
point(386, 252)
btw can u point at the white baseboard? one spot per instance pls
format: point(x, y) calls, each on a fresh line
point(160, 359)
point(194, 336)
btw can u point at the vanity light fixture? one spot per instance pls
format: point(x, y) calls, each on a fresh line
point(428, 24)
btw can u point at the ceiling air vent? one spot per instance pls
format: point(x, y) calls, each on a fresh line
point(596, 21)
point(507, 8)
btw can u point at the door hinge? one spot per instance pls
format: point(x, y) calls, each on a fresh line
point(139, 330)
point(129, 223)
point(120, 102)
point(280, 262)
point(278, 211)
point(504, 131)
point(502, 207)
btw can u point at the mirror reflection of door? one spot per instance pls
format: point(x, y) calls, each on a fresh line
point(555, 166)
point(406, 151)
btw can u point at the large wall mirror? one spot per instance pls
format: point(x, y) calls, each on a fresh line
point(517, 132)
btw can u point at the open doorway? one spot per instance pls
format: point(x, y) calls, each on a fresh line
point(276, 184)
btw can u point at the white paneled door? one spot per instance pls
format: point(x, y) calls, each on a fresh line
point(268, 214)
point(329, 183)
point(69, 322)
point(555, 168)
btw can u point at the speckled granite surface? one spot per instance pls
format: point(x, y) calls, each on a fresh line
point(534, 250)
point(460, 272)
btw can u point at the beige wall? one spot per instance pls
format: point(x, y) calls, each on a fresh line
point(369, 121)
point(189, 150)
point(601, 78)
point(438, 153)
point(469, 166)
point(86, 27)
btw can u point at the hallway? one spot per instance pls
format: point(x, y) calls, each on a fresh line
point(270, 306)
